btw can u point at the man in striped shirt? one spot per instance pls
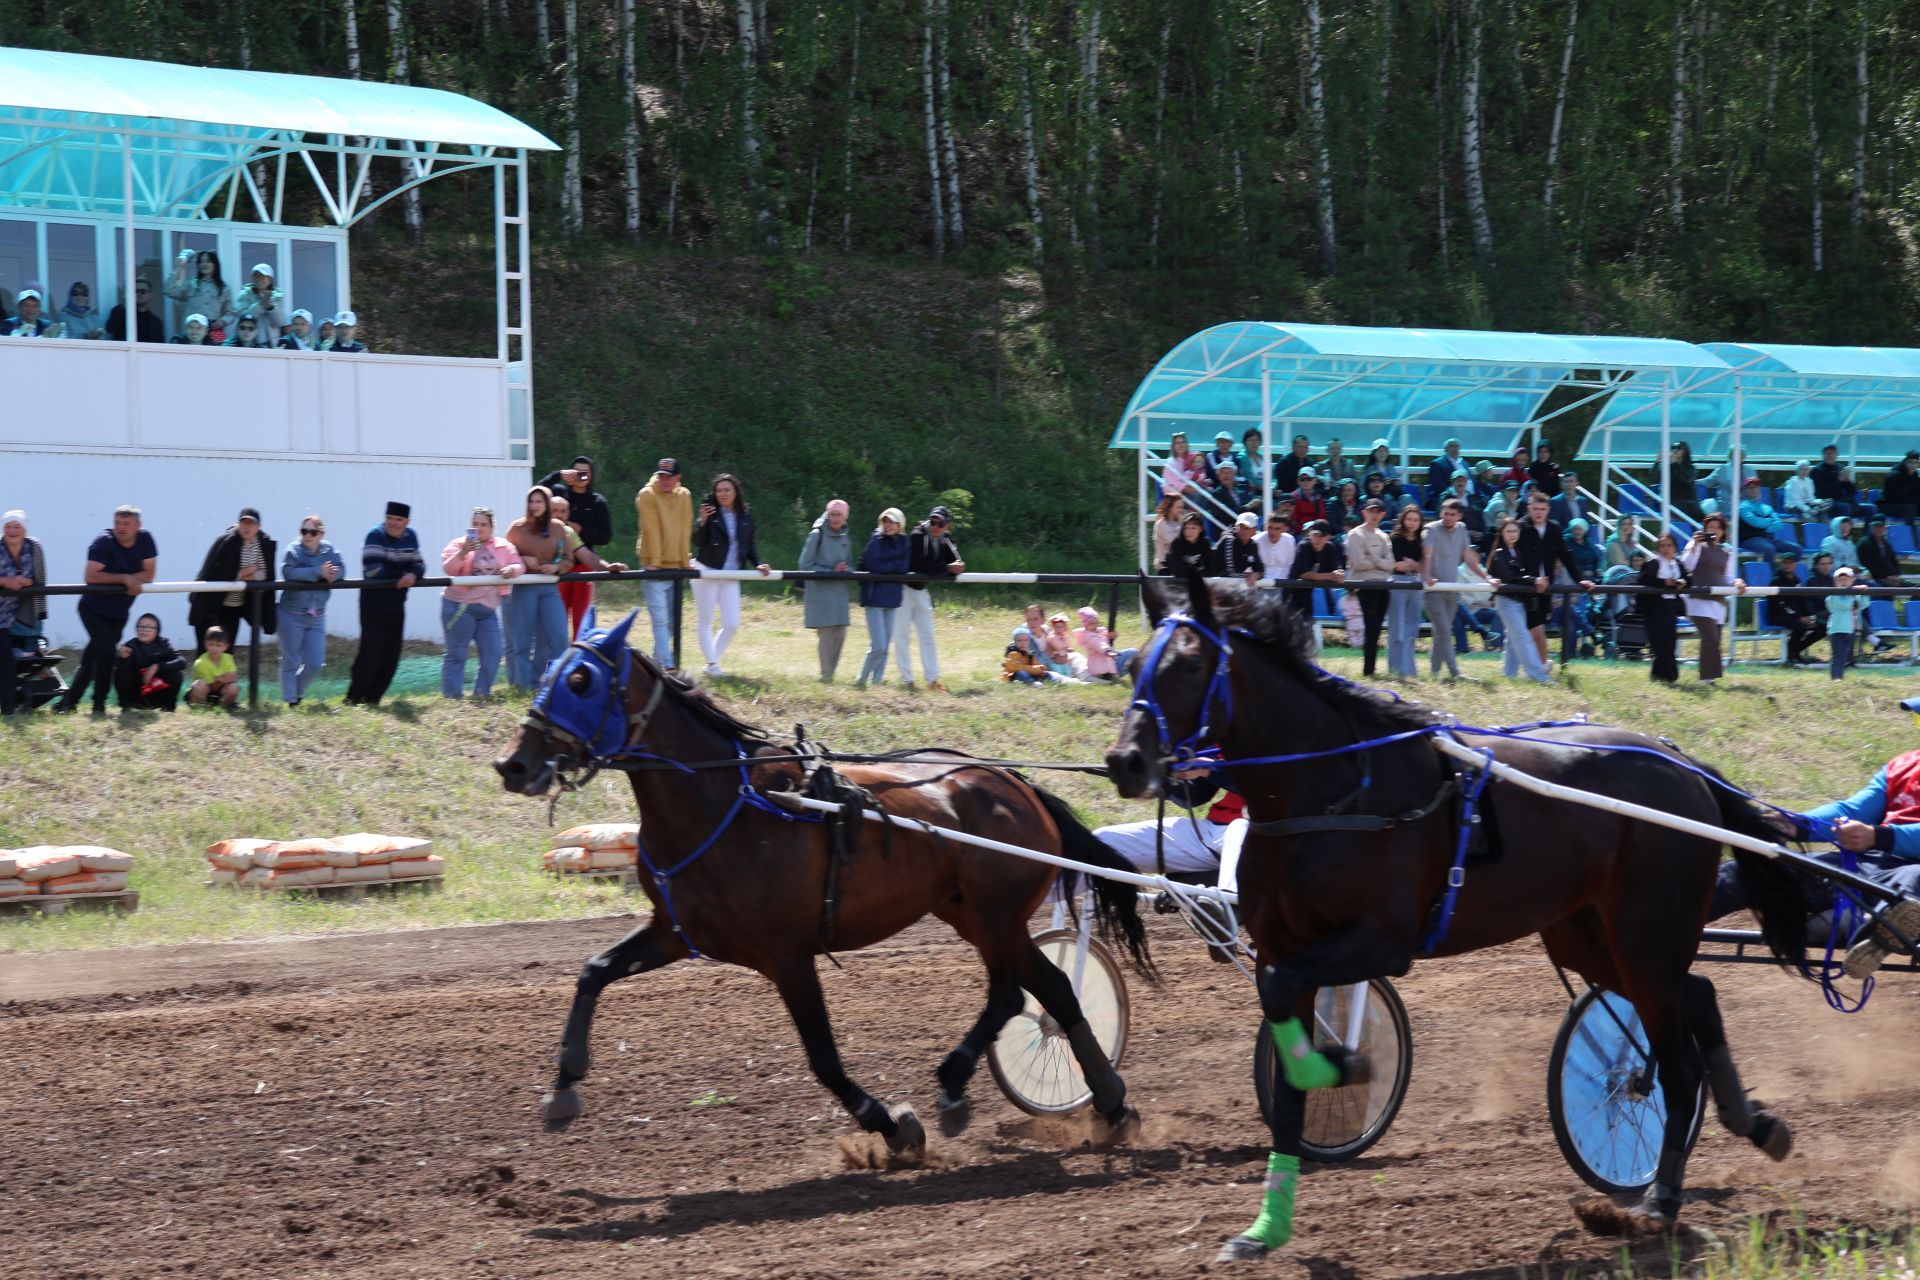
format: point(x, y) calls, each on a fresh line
point(391, 554)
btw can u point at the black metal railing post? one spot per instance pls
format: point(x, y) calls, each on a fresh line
point(679, 607)
point(253, 649)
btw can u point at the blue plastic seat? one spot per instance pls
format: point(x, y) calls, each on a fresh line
point(1881, 617)
point(1900, 534)
point(1913, 614)
point(1760, 622)
point(1813, 533)
point(1758, 573)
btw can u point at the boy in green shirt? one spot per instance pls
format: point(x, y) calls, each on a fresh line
point(215, 678)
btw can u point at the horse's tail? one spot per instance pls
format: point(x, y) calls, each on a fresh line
point(1116, 905)
point(1775, 892)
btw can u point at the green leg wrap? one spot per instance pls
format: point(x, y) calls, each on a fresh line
point(1274, 1226)
point(1303, 1067)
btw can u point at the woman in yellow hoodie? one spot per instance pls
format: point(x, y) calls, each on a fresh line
point(666, 542)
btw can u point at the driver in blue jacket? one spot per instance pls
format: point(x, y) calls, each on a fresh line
point(1877, 827)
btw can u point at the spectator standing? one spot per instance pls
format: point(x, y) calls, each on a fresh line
point(1567, 505)
point(887, 551)
point(1286, 471)
point(1277, 546)
point(264, 303)
point(1184, 466)
point(28, 322)
point(1803, 618)
point(724, 539)
point(1237, 553)
point(80, 318)
point(575, 555)
point(343, 342)
point(1166, 526)
point(123, 556)
point(1442, 470)
point(1708, 563)
point(470, 615)
point(536, 620)
point(242, 554)
point(666, 536)
point(197, 285)
point(216, 680)
point(1446, 551)
point(1665, 573)
point(391, 553)
point(930, 551)
point(1573, 610)
point(148, 674)
point(828, 549)
point(592, 519)
point(1189, 553)
point(146, 325)
point(1682, 479)
point(1543, 547)
point(298, 335)
point(1900, 492)
point(303, 613)
point(1370, 559)
point(1797, 498)
point(193, 333)
point(1511, 568)
point(1843, 618)
point(23, 564)
point(1403, 607)
point(1543, 471)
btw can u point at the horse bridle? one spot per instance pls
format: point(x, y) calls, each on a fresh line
point(586, 739)
point(1218, 689)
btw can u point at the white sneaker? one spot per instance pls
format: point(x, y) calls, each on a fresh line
point(713, 670)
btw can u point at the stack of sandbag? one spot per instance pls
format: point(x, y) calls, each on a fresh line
point(594, 846)
point(63, 869)
point(362, 858)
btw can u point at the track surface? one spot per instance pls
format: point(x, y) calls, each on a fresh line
point(365, 1106)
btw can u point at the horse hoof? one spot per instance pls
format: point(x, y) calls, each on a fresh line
point(909, 1136)
point(1241, 1249)
point(955, 1115)
point(1771, 1135)
point(1123, 1123)
point(560, 1109)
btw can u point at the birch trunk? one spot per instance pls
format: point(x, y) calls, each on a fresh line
point(1159, 139)
point(1677, 124)
point(1030, 152)
point(1322, 147)
point(402, 55)
point(748, 34)
point(1443, 39)
point(1819, 229)
point(932, 130)
point(543, 33)
point(1470, 134)
point(846, 171)
point(572, 201)
point(813, 194)
point(1090, 118)
point(1560, 105)
point(630, 121)
point(680, 104)
point(1859, 211)
point(956, 223)
point(352, 19)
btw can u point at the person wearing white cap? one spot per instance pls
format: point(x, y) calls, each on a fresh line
point(888, 551)
point(264, 303)
point(196, 333)
point(343, 341)
point(298, 335)
point(204, 290)
point(28, 323)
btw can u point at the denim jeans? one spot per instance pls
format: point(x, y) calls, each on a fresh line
point(1519, 652)
point(303, 651)
point(658, 594)
point(879, 639)
point(1403, 629)
point(475, 624)
point(539, 633)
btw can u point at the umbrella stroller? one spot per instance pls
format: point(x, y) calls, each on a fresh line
point(36, 671)
point(1622, 624)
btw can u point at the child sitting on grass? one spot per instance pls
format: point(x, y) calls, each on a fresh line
point(215, 679)
point(1058, 653)
point(1103, 662)
point(1022, 665)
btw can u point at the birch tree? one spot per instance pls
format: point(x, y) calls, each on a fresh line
point(748, 39)
point(402, 55)
point(1818, 247)
point(1159, 141)
point(956, 223)
point(630, 121)
point(1560, 105)
point(351, 20)
point(1677, 124)
point(853, 108)
point(1322, 148)
point(1091, 120)
point(1471, 134)
point(1030, 153)
point(572, 199)
point(1859, 209)
point(932, 130)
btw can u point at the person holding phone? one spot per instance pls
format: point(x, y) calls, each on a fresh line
point(265, 304)
point(1706, 562)
point(470, 613)
point(591, 518)
point(197, 285)
point(537, 622)
point(723, 538)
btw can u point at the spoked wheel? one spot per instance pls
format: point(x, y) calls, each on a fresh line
point(1603, 1095)
point(1031, 1060)
point(1343, 1122)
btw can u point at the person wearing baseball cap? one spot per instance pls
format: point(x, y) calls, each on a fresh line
point(1237, 552)
point(28, 323)
point(390, 553)
point(666, 542)
point(264, 303)
point(1877, 829)
point(299, 334)
point(343, 341)
point(244, 553)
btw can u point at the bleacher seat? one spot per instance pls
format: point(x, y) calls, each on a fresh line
point(1900, 534)
point(1758, 573)
point(1913, 614)
point(1760, 622)
point(1812, 534)
point(1881, 617)
point(1637, 500)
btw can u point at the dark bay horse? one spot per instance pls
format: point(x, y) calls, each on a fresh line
point(735, 878)
point(1350, 853)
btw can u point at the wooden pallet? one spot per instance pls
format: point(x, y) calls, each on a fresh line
point(417, 884)
point(58, 904)
point(627, 876)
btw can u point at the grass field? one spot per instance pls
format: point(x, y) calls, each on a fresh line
point(164, 786)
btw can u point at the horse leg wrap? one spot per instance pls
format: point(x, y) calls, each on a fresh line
point(1304, 1067)
point(1730, 1101)
point(1109, 1091)
point(867, 1113)
point(1274, 1226)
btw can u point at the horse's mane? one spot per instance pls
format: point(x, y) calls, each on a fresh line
point(1284, 643)
point(700, 705)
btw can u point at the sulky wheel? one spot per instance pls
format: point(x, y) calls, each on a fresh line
point(1344, 1121)
point(1031, 1060)
point(1603, 1095)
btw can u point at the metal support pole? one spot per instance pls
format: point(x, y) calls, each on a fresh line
point(1666, 457)
point(1738, 486)
point(1113, 608)
point(1266, 445)
point(253, 650)
point(679, 605)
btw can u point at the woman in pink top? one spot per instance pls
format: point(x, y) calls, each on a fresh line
point(1183, 468)
point(471, 613)
point(1096, 642)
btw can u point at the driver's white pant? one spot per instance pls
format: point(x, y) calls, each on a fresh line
point(1190, 845)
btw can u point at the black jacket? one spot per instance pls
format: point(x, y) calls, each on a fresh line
point(1184, 557)
point(710, 541)
point(1902, 488)
point(1232, 557)
point(223, 565)
point(160, 653)
point(928, 554)
point(1878, 558)
point(1541, 552)
point(1828, 484)
point(1794, 606)
point(589, 511)
point(147, 327)
point(1669, 602)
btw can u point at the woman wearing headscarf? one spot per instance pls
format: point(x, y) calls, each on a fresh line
point(23, 564)
point(80, 318)
point(829, 549)
point(200, 287)
point(888, 551)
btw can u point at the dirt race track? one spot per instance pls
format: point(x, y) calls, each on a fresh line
point(365, 1106)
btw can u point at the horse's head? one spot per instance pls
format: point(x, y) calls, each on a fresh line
point(579, 714)
point(1180, 692)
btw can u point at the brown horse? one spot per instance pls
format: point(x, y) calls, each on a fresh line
point(1349, 854)
point(735, 878)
